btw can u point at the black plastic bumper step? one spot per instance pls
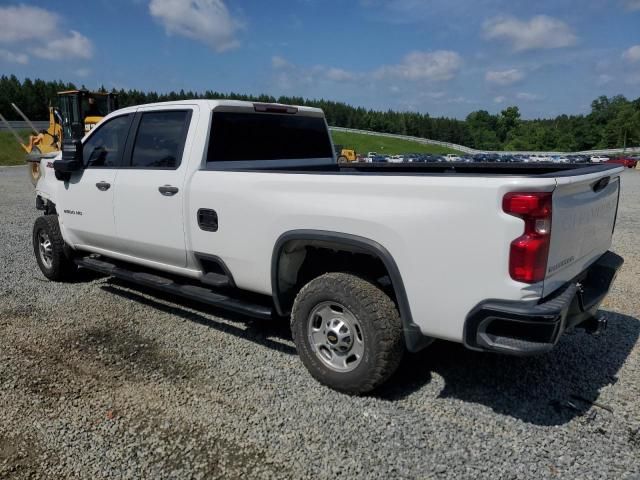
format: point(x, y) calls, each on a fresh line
point(193, 292)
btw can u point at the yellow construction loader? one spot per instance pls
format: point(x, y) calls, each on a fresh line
point(77, 112)
point(345, 154)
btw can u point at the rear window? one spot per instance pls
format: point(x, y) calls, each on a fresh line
point(239, 136)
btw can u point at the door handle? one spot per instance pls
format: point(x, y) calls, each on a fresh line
point(168, 190)
point(103, 186)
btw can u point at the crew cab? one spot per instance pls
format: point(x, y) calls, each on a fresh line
point(244, 207)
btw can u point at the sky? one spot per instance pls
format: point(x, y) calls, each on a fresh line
point(442, 57)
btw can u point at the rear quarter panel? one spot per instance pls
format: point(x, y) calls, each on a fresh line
point(447, 234)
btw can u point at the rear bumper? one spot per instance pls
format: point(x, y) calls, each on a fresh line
point(529, 328)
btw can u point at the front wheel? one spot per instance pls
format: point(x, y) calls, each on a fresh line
point(348, 332)
point(52, 254)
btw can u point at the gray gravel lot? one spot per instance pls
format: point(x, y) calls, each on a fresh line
point(100, 379)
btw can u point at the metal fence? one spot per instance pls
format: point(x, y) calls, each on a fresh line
point(20, 125)
point(472, 151)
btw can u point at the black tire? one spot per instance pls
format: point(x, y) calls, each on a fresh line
point(57, 264)
point(342, 159)
point(378, 323)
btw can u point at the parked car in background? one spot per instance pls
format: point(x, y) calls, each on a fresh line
point(395, 159)
point(579, 159)
point(626, 161)
point(599, 159)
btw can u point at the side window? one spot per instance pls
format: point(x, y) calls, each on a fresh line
point(160, 139)
point(105, 146)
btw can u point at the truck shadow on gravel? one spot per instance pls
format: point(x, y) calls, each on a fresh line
point(550, 389)
point(274, 334)
point(547, 390)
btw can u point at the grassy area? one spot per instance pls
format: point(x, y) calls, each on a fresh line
point(10, 152)
point(362, 144)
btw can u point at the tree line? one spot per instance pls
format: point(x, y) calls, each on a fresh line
point(613, 121)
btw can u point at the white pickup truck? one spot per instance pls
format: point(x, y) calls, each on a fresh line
point(244, 207)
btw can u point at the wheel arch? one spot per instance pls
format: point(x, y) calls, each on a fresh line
point(346, 242)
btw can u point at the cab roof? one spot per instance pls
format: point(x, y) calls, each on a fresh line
point(230, 105)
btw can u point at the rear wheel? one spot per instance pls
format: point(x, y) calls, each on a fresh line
point(52, 254)
point(347, 332)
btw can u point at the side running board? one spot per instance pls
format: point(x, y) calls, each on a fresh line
point(167, 285)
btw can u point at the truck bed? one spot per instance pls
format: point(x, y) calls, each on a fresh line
point(542, 170)
point(481, 168)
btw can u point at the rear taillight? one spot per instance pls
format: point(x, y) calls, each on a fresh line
point(529, 252)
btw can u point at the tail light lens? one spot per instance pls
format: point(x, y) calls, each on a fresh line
point(530, 251)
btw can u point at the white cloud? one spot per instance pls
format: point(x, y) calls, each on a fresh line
point(339, 75)
point(10, 57)
point(459, 99)
point(528, 97)
point(207, 21)
point(290, 74)
point(632, 54)
point(504, 77)
point(434, 66)
point(38, 31)
point(632, 4)
point(500, 99)
point(20, 23)
point(278, 62)
point(541, 32)
point(74, 46)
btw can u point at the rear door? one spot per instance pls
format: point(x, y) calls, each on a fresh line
point(149, 195)
point(86, 201)
point(584, 211)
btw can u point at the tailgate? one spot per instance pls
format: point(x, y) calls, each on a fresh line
point(583, 216)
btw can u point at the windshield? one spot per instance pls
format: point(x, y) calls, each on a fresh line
point(95, 106)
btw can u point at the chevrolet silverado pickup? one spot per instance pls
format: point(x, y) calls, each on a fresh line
point(243, 207)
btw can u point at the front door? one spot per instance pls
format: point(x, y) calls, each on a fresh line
point(85, 205)
point(149, 194)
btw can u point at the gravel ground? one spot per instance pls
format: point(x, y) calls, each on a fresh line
point(100, 379)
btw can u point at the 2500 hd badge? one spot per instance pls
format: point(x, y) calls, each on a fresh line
point(73, 212)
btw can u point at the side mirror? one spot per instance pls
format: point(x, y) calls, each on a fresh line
point(71, 160)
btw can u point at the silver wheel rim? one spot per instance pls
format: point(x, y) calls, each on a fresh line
point(335, 336)
point(46, 249)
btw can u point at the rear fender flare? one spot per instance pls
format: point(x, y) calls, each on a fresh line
point(414, 338)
